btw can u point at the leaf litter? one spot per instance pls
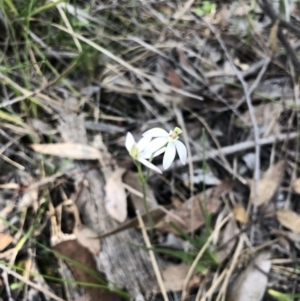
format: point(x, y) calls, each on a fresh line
point(133, 69)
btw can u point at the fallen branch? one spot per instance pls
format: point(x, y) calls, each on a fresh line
point(239, 147)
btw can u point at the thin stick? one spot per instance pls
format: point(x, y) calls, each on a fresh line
point(240, 147)
point(152, 257)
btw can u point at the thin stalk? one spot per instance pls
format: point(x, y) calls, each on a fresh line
point(143, 183)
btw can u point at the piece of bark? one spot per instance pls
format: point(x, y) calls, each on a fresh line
point(124, 264)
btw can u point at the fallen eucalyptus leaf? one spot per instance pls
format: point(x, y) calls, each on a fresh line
point(268, 184)
point(116, 199)
point(289, 219)
point(251, 284)
point(75, 151)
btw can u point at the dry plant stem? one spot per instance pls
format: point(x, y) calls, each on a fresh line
point(13, 163)
point(30, 283)
point(199, 255)
point(152, 257)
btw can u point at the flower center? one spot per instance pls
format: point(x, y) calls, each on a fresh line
point(174, 135)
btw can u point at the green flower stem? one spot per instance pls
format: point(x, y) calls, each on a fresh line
point(143, 181)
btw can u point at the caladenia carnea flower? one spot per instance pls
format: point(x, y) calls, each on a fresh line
point(136, 150)
point(167, 143)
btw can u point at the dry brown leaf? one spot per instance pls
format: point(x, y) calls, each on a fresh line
point(116, 199)
point(76, 252)
point(268, 184)
point(251, 284)
point(240, 214)
point(289, 219)
point(75, 151)
point(273, 40)
point(190, 212)
point(174, 79)
point(88, 238)
point(5, 241)
point(296, 185)
point(174, 277)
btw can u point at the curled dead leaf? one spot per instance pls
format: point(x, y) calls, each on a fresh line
point(289, 219)
point(268, 184)
point(116, 199)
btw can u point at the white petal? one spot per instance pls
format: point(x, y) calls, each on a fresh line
point(148, 155)
point(156, 132)
point(129, 142)
point(150, 165)
point(143, 143)
point(160, 151)
point(154, 146)
point(181, 150)
point(169, 155)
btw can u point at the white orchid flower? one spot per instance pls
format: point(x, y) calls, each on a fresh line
point(166, 142)
point(136, 150)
